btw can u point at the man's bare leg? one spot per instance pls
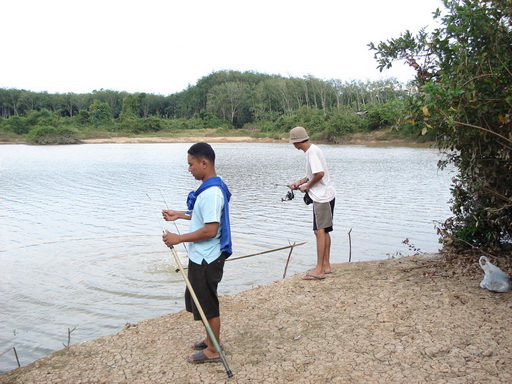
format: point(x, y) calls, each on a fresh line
point(321, 242)
point(211, 351)
point(327, 254)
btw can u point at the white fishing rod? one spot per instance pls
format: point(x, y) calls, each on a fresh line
point(177, 230)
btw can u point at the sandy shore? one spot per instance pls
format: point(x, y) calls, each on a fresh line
point(355, 139)
point(391, 321)
point(373, 138)
point(184, 139)
point(162, 139)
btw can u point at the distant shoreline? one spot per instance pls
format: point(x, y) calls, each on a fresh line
point(185, 139)
point(356, 139)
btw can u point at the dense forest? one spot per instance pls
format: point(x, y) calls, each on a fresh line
point(261, 104)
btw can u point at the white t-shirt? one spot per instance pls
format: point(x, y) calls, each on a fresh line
point(323, 191)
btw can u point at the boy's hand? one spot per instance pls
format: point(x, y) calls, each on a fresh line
point(170, 239)
point(170, 215)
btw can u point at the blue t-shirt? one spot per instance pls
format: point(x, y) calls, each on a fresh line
point(207, 209)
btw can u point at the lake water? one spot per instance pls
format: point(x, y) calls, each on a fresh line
point(80, 227)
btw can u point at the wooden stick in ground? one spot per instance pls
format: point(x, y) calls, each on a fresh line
point(200, 309)
point(288, 260)
point(349, 246)
point(16, 354)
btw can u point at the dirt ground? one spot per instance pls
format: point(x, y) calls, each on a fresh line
point(390, 321)
point(374, 138)
point(188, 139)
point(380, 137)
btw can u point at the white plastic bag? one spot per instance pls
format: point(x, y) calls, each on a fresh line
point(494, 279)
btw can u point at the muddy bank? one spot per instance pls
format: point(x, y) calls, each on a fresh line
point(389, 321)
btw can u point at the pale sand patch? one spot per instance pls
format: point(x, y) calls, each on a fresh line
point(185, 139)
point(388, 321)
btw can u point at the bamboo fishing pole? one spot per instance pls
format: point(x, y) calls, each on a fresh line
point(203, 316)
point(260, 253)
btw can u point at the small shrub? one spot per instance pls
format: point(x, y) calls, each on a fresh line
point(47, 135)
point(18, 125)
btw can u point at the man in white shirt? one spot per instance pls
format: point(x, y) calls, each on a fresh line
point(317, 185)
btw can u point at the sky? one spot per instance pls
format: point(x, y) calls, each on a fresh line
point(164, 46)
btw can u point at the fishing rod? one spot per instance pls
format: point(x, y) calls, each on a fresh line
point(158, 218)
point(177, 230)
point(289, 195)
point(261, 253)
point(203, 316)
point(198, 305)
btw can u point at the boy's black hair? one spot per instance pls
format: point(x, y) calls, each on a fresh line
point(202, 150)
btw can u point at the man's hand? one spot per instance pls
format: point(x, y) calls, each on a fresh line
point(170, 239)
point(170, 215)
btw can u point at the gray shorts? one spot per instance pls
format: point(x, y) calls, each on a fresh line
point(322, 215)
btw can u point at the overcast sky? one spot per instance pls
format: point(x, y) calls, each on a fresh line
point(163, 46)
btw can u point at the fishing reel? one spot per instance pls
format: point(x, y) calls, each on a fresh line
point(289, 196)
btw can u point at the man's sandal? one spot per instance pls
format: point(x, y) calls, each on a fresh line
point(200, 345)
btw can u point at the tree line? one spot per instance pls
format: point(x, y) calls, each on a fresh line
point(230, 100)
point(464, 73)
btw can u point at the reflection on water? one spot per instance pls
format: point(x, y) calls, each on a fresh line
point(80, 227)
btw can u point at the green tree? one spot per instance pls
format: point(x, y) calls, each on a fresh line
point(386, 114)
point(113, 98)
point(99, 113)
point(17, 124)
point(464, 73)
point(228, 101)
point(42, 117)
point(133, 106)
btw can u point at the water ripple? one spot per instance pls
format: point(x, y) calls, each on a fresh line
point(80, 241)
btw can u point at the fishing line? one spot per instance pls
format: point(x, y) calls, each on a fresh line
point(177, 230)
point(157, 217)
point(61, 240)
point(176, 265)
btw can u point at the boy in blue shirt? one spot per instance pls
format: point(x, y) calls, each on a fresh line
point(209, 243)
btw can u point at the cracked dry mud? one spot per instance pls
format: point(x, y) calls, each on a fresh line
point(388, 321)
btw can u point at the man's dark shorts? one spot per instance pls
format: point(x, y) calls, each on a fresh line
point(204, 279)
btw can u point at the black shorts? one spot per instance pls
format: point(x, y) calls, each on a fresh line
point(204, 279)
point(323, 214)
